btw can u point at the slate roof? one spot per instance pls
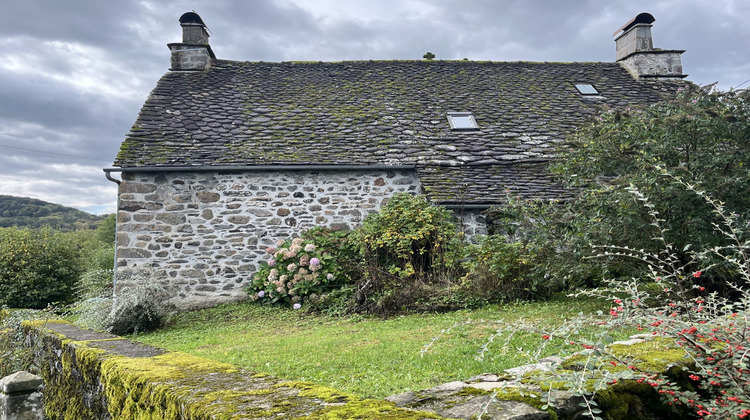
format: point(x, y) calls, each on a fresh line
point(382, 113)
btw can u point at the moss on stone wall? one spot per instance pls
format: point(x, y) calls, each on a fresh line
point(103, 377)
point(91, 375)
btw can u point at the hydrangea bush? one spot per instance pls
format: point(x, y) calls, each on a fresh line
point(295, 270)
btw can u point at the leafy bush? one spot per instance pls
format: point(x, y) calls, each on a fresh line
point(140, 305)
point(37, 267)
point(701, 136)
point(557, 236)
point(14, 354)
point(409, 237)
point(498, 270)
point(344, 252)
point(302, 267)
point(412, 252)
point(701, 334)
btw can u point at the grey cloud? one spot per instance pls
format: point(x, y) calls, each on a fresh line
point(80, 21)
point(44, 111)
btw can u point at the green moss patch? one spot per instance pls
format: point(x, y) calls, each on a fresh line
point(90, 379)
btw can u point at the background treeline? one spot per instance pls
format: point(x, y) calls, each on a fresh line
point(49, 252)
point(34, 214)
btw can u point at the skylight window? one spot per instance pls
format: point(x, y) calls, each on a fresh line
point(462, 121)
point(586, 89)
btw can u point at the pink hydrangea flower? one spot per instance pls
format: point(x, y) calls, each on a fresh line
point(271, 262)
point(309, 247)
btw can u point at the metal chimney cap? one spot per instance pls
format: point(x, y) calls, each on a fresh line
point(191, 17)
point(641, 18)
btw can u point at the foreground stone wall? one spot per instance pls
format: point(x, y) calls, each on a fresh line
point(207, 232)
point(94, 375)
point(99, 376)
point(21, 397)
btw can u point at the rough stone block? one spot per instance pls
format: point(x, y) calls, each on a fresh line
point(20, 382)
point(207, 196)
point(238, 219)
point(171, 218)
point(132, 187)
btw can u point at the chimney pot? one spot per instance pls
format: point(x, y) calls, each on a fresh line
point(194, 52)
point(635, 51)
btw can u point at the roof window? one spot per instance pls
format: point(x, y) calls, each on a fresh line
point(462, 121)
point(586, 89)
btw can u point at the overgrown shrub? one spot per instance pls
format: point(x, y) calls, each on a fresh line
point(302, 268)
point(498, 270)
point(702, 136)
point(412, 252)
point(558, 236)
point(698, 359)
point(344, 252)
point(141, 304)
point(93, 300)
point(14, 354)
point(37, 267)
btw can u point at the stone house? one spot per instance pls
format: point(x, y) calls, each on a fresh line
point(227, 157)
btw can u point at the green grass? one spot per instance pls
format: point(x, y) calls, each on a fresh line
point(370, 357)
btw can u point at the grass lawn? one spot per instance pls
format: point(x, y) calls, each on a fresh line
point(369, 357)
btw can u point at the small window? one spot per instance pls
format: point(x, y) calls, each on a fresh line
point(462, 121)
point(586, 89)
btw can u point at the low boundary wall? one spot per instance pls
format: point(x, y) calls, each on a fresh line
point(93, 375)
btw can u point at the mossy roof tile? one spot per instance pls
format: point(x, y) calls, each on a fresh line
point(381, 113)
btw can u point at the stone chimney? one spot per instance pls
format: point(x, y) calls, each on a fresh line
point(193, 53)
point(636, 52)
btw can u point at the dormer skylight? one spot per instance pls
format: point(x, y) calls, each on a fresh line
point(462, 121)
point(586, 89)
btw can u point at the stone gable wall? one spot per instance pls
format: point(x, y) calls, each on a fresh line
point(206, 232)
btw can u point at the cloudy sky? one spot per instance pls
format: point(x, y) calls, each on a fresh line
point(74, 73)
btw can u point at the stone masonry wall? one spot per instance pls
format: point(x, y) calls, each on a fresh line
point(206, 232)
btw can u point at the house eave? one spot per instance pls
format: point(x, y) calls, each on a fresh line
point(256, 168)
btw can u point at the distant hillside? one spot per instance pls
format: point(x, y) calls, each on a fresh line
point(32, 213)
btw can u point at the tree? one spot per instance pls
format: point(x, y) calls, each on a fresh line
point(37, 267)
point(702, 136)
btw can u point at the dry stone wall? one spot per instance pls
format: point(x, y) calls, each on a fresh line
point(206, 232)
point(95, 375)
